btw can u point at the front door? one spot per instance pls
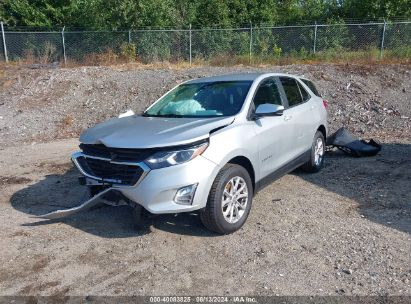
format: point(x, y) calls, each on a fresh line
point(299, 116)
point(272, 132)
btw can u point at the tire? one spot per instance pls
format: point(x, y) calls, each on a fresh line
point(216, 216)
point(314, 164)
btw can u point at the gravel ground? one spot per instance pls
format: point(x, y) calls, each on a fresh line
point(343, 231)
point(39, 105)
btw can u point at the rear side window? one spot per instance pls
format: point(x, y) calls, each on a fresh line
point(292, 91)
point(303, 92)
point(311, 86)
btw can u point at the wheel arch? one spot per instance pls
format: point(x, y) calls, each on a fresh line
point(322, 129)
point(246, 164)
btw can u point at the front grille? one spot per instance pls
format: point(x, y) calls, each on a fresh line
point(116, 154)
point(118, 173)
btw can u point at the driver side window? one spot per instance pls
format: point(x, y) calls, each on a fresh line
point(267, 92)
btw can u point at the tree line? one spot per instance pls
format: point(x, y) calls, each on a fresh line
point(134, 14)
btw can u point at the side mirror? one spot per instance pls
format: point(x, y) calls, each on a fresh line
point(268, 109)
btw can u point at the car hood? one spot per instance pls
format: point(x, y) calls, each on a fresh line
point(151, 132)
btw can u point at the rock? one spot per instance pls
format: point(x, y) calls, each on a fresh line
point(347, 271)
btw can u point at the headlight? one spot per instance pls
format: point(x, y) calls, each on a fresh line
point(170, 158)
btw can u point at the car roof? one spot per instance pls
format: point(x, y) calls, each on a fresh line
point(236, 77)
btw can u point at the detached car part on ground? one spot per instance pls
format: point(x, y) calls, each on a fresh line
point(351, 145)
point(208, 144)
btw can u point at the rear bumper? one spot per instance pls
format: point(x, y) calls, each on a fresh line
point(155, 189)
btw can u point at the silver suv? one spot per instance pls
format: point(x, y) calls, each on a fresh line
point(208, 144)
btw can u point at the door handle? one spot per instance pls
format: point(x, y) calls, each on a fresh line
point(287, 117)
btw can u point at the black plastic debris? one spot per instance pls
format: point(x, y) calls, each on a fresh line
point(345, 141)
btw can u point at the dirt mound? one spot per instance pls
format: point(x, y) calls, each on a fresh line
point(44, 104)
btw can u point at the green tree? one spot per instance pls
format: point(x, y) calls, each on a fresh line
point(211, 13)
point(34, 13)
point(376, 8)
point(115, 14)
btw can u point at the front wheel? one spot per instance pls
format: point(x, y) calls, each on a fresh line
point(229, 201)
point(316, 154)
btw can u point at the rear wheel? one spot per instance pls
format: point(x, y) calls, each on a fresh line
point(317, 154)
point(229, 201)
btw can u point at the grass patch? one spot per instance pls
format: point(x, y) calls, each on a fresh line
point(127, 56)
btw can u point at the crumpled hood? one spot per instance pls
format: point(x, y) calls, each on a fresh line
point(151, 132)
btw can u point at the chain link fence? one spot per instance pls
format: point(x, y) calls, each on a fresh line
point(253, 44)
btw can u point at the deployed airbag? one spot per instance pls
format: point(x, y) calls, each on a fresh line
point(345, 141)
point(182, 107)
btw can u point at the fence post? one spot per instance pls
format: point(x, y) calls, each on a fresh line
point(4, 43)
point(64, 45)
point(251, 42)
point(382, 39)
point(315, 37)
point(129, 36)
point(190, 45)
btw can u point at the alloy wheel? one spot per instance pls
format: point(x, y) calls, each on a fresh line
point(318, 151)
point(235, 199)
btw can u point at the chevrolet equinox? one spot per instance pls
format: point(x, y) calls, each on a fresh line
point(208, 144)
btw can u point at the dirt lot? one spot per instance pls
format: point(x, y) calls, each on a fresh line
point(345, 230)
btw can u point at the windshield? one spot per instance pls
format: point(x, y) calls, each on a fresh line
point(207, 99)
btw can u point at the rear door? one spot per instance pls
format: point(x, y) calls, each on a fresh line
point(272, 132)
point(299, 116)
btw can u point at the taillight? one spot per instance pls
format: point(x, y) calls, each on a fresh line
point(325, 103)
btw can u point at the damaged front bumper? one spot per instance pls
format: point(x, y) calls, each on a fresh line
point(154, 190)
point(95, 200)
point(113, 185)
